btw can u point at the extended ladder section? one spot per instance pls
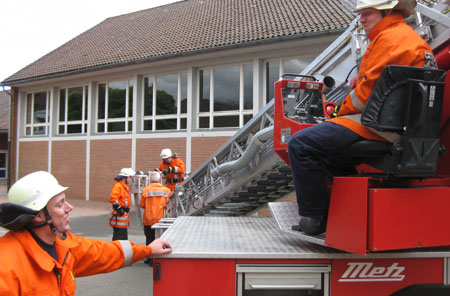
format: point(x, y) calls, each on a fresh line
point(246, 173)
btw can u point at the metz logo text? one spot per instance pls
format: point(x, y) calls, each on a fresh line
point(367, 272)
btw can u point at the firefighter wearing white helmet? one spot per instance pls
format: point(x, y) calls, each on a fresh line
point(119, 218)
point(153, 200)
point(172, 167)
point(27, 197)
point(392, 42)
point(36, 260)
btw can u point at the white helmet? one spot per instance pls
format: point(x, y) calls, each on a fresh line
point(166, 153)
point(35, 190)
point(127, 172)
point(377, 4)
point(155, 177)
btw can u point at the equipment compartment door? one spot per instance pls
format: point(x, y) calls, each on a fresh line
point(282, 280)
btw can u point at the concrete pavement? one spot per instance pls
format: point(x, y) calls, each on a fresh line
point(90, 219)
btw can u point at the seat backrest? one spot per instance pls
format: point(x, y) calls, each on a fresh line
point(408, 101)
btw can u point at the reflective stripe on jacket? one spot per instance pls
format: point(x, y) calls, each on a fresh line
point(180, 168)
point(26, 269)
point(392, 42)
point(153, 200)
point(120, 193)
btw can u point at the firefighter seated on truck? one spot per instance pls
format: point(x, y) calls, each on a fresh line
point(320, 152)
point(172, 167)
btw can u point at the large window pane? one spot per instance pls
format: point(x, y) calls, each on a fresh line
point(130, 98)
point(116, 99)
point(183, 93)
point(248, 86)
point(226, 121)
point(29, 108)
point(272, 75)
point(75, 105)
point(40, 107)
point(204, 90)
point(101, 101)
point(166, 94)
point(204, 122)
point(166, 124)
point(62, 105)
point(226, 88)
point(148, 96)
point(74, 129)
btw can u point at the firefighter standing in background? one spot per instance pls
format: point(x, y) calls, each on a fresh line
point(120, 198)
point(153, 200)
point(172, 167)
point(39, 256)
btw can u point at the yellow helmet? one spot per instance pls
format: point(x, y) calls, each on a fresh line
point(34, 190)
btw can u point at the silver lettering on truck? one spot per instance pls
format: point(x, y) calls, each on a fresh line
point(367, 272)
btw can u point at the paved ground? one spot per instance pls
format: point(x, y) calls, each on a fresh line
point(89, 218)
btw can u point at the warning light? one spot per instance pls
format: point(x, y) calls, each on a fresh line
point(293, 84)
point(312, 86)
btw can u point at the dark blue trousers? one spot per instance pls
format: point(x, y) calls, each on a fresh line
point(316, 155)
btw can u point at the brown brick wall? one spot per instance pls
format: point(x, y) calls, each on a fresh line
point(107, 158)
point(148, 151)
point(69, 166)
point(33, 157)
point(203, 148)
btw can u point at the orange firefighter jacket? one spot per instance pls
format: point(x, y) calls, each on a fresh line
point(120, 193)
point(179, 168)
point(26, 269)
point(153, 200)
point(392, 42)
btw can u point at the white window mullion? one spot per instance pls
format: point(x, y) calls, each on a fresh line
point(154, 104)
point(241, 95)
point(32, 115)
point(179, 101)
point(83, 111)
point(211, 100)
point(127, 85)
point(106, 107)
point(66, 110)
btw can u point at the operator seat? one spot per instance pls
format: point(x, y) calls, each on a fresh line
point(408, 101)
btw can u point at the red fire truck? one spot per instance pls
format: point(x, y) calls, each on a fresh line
point(388, 230)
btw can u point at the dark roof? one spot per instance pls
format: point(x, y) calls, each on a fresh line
point(185, 27)
point(4, 110)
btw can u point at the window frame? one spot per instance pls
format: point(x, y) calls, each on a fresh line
point(84, 122)
point(127, 119)
point(211, 114)
point(32, 125)
point(153, 118)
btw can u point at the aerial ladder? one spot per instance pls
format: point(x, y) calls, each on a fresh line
point(246, 173)
point(376, 241)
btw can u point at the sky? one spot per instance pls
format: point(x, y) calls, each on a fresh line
point(33, 28)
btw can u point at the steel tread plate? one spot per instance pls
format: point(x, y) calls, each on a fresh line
point(254, 238)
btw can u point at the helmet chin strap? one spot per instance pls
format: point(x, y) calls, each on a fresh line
point(48, 221)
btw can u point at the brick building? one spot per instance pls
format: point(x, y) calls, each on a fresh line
point(184, 76)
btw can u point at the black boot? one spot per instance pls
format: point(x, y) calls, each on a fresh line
point(311, 225)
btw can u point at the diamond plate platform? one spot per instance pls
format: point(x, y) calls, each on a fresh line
point(245, 237)
point(286, 215)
